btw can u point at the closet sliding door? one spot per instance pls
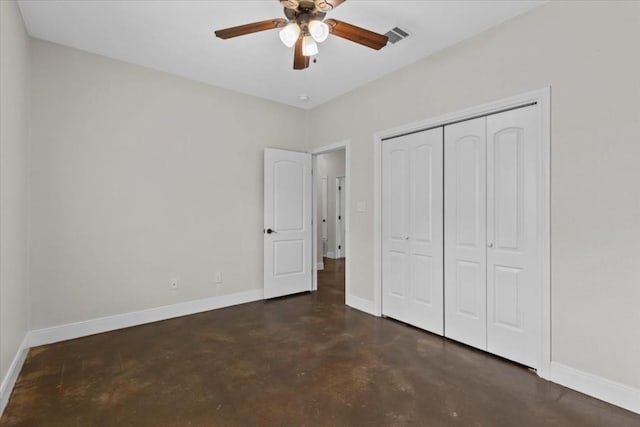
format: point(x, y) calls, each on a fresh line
point(492, 239)
point(465, 248)
point(412, 234)
point(513, 257)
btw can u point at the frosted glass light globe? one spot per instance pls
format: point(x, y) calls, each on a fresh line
point(289, 34)
point(309, 46)
point(319, 31)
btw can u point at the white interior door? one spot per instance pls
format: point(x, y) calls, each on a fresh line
point(340, 217)
point(324, 195)
point(287, 222)
point(465, 232)
point(513, 273)
point(412, 233)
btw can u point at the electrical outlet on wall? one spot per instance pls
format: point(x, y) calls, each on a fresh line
point(219, 277)
point(173, 284)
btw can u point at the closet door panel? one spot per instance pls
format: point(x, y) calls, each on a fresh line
point(395, 227)
point(412, 265)
point(465, 232)
point(513, 278)
point(425, 308)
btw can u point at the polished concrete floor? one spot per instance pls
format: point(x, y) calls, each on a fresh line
point(305, 360)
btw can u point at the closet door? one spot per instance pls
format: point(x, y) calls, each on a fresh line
point(412, 267)
point(513, 273)
point(465, 232)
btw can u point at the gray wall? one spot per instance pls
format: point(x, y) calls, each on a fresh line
point(14, 113)
point(138, 177)
point(589, 53)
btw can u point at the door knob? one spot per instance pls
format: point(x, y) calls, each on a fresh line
point(269, 231)
point(490, 245)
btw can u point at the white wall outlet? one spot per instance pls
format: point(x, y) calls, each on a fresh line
point(173, 284)
point(218, 277)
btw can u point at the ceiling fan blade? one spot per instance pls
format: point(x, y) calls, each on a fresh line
point(254, 27)
point(327, 5)
point(356, 34)
point(300, 62)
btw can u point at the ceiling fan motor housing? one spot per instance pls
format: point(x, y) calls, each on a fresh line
point(302, 15)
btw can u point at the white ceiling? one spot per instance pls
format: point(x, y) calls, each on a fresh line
point(177, 37)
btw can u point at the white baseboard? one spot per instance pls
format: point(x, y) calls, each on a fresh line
point(618, 394)
point(105, 324)
point(362, 305)
point(320, 265)
point(12, 374)
point(331, 255)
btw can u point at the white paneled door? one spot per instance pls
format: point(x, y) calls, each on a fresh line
point(412, 245)
point(513, 251)
point(465, 232)
point(287, 222)
point(492, 249)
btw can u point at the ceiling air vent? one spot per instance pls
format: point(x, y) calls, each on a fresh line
point(396, 34)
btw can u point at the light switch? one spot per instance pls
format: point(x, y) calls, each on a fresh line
point(361, 206)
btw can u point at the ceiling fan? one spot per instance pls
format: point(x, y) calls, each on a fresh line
point(305, 25)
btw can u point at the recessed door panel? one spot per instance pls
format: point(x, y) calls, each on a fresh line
point(422, 194)
point(468, 151)
point(412, 226)
point(397, 194)
point(288, 257)
point(288, 195)
point(468, 288)
point(422, 279)
point(507, 170)
point(398, 272)
point(513, 272)
point(506, 302)
point(465, 232)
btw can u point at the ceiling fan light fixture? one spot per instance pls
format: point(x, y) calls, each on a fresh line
point(289, 34)
point(309, 46)
point(318, 30)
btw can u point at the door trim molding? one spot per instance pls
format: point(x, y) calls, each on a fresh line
point(338, 251)
point(541, 98)
point(346, 146)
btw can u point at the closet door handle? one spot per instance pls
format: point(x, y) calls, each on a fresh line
point(490, 245)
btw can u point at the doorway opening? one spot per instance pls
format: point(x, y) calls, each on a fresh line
point(331, 219)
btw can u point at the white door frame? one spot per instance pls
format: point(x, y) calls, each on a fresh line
point(324, 194)
point(542, 99)
point(346, 146)
point(338, 251)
